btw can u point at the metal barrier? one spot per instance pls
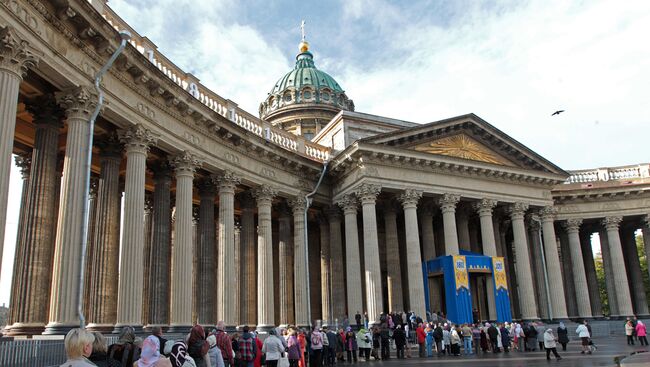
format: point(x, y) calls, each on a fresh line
point(35, 353)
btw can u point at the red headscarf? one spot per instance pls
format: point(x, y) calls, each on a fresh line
point(197, 334)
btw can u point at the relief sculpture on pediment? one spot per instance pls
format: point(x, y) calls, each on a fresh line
point(462, 146)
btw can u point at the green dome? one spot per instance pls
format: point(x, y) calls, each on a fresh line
point(305, 87)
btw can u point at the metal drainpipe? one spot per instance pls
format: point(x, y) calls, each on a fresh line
point(306, 239)
point(125, 36)
point(541, 250)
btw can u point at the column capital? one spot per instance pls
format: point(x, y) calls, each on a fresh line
point(78, 102)
point(227, 181)
point(548, 213)
point(24, 163)
point(348, 203)
point(533, 222)
point(333, 213)
point(484, 207)
point(517, 210)
point(185, 163)
point(16, 55)
point(162, 169)
point(297, 204)
point(612, 223)
point(45, 111)
point(573, 225)
point(426, 209)
point(110, 146)
point(246, 200)
point(137, 139)
point(206, 186)
point(448, 202)
point(264, 195)
point(410, 198)
point(367, 193)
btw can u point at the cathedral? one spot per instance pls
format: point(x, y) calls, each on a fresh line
point(309, 212)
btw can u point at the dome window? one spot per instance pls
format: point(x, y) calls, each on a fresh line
point(326, 96)
point(287, 97)
point(306, 94)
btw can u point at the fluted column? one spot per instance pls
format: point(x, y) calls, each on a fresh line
point(393, 271)
point(285, 266)
point(462, 225)
point(367, 194)
point(148, 211)
point(350, 205)
point(635, 276)
point(206, 269)
point(105, 255)
point(410, 199)
point(524, 276)
point(425, 216)
point(535, 245)
point(325, 268)
point(623, 299)
point(265, 298)
point(236, 277)
point(185, 164)
point(448, 207)
point(248, 268)
point(336, 263)
point(558, 302)
point(645, 228)
point(79, 104)
point(303, 318)
point(16, 57)
point(579, 276)
point(18, 301)
point(137, 141)
point(609, 272)
point(484, 209)
point(227, 182)
point(590, 272)
point(159, 283)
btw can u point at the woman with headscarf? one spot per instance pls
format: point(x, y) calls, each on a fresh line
point(178, 355)
point(505, 338)
point(198, 347)
point(150, 356)
point(549, 344)
point(641, 333)
point(562, 335)
point(293, 348)
point(363, 342)
point(125, 350)
point(351, 345)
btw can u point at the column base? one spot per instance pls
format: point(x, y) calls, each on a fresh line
point(118, 328)
point(149, 327)
point(231, 329)
point(102, 328)
point(55, 328)
point(179, 329)
point(264, 328)
point(22, 329)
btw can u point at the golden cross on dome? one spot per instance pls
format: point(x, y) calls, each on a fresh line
point(302, 29)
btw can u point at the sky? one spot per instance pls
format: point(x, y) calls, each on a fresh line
point(513, 63)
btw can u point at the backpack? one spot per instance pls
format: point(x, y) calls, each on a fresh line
point(316, 340)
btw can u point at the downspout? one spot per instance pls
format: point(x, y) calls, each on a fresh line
point(125, 36)
point(308, 201)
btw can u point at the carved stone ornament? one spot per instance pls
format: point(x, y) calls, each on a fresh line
point(264, 195)
point(348, 203)
point(45, 111)
point(410, 198)
point(78, 102)
point(611, 223)
point(227, 181)
point(517, 210)
point(24, 163)
point(367, 193)
point(548, 213)
point(137, 138)
point(16, 55)
point(297, 204)
point(484, 206)
point(573, 225)
point(185, 163)
point(448, 202)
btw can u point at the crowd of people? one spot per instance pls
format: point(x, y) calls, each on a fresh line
point(635, 329)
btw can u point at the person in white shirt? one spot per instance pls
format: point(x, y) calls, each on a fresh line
point(583, 333)
point(272, 348)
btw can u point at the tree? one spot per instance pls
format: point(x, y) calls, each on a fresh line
point(602, 287)
point(644, 265)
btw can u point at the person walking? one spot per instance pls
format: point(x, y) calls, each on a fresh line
point(541, 329)
point(273, 349)
point(629, 332)
point(563, 335)
point(247, 347)
point(641, 333)
point(454, 339)
point(467, 339)
point(550, 345)
point(421, 338)
point(400, 341)
point(493, 334)
point(584, 335)
point(316, 348)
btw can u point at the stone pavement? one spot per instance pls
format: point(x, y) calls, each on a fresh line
point(610, 351)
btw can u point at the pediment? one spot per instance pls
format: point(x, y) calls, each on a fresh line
point(470, 138)
point(463, 146)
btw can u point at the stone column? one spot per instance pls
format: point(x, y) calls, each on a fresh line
point(104, 258)
point(185, 164)
point(579, 277)
point(248, 267)
point(236, 278)
point(448, 207)
point(635, 276)
point(623, 299)
point(462, 223)
point(265, 298)
point(285, 266)
point(367, 194)
point(409, 199)
point(336, 254)
point(394, 273)
point(558, 303)
point(79, 103)
point(18, 301)
point(609, 273)
point(484, 209)
point(16, 57)
point(535, 247)
point(206, 270)
point(425, 215)
point(524, 276)
point(148, 211)
point(590, 271)
point(349, 204)
point(226, 287)
point(303, 318)
point(159, 284)
point(325, 267)
point(129, 302)
point(645, 227)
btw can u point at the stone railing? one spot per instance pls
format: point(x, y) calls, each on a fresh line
point(218, 104)
point(609, 174)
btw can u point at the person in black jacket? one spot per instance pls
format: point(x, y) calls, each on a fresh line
point(100, 355)
point(125, 350)
point(493, 333)
point(437, 337)
point(376, 342)
point(562, 335)
point(357, 319)
point(384, 337)
point(400, 341)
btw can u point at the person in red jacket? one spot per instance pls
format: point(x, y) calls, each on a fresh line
point(258, 357)
point(421, 336)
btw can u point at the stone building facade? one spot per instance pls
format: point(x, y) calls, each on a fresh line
point(214, 198)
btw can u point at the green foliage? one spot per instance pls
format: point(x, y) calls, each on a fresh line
point(644, 266)
point(602, 287)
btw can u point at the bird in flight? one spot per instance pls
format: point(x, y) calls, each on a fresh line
point(557, 112)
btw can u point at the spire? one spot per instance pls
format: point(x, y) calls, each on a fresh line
point(304, 45)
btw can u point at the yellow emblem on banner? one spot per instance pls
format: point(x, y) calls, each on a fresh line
point(499, 271)
point(460, 272)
